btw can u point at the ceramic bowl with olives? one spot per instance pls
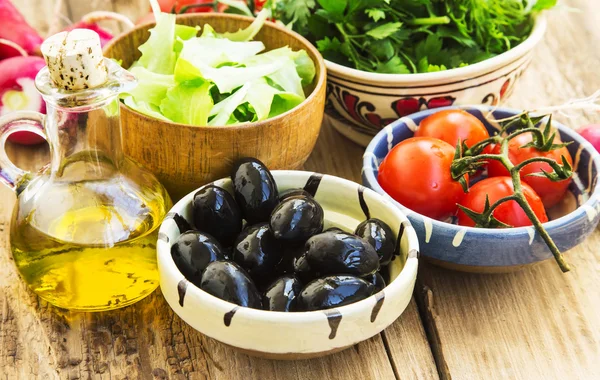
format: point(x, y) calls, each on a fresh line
point(286, 264)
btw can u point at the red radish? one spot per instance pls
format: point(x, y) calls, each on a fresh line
point(18, 92)
point(13, 27)
point(592, 134)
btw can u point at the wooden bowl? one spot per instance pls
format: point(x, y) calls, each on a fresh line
point(297, 335)
point(183, 157)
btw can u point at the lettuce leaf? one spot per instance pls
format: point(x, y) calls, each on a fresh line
point(251, 31)
point(152, 87)
point(261, 97)
point(185, 71)
point(157, 53)
point(222, 111)
point(228, 78)
point(144, 108)
point(217, 51)
point(188, 103)
point(215, 79)
point(305, 66)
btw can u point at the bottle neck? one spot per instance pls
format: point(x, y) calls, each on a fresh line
point(85, 142)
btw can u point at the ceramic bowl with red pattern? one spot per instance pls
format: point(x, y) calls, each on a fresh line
point(361, 103)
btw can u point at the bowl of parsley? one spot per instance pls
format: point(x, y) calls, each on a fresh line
point(389, 59)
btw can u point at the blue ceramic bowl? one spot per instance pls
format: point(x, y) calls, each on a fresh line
point(497, 250)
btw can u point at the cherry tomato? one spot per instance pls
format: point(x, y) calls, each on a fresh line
point(259, 5)
point(452, 125)
point(416, 173)
point(509, 212)
point(550, 192)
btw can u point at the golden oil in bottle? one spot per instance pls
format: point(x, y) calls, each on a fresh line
point(84, 249)
point(84, 229)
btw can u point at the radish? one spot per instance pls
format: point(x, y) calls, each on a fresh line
point(14, 28)
point(592, 134)
point(18, 92)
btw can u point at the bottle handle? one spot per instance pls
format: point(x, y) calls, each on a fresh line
point(18, 121)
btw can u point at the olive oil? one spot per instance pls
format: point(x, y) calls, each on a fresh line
point(84, 228)
point(79, 250)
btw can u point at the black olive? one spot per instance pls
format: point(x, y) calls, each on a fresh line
point(228, 253)
point(340, 253)
point(290, 253)
point(193, 251)
point(377, 280)
point(182, 224)
point(302, 269)
point(333, 291)
point(380, 236)
point(334, 229)
point(297, 219)
point(229, 282)
point(292, 193)
point(258, 252)
point(216, 213)
point(282, 293)
point(255, 190)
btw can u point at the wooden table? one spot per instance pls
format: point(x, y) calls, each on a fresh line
point(537, 323)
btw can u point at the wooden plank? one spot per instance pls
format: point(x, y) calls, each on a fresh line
point(537, 323)
point(147, 339)
point(405, 340)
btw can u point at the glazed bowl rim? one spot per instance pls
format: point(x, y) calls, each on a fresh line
point(442, 77)
point(371, 181)
point(403, 280)
point(309, 101)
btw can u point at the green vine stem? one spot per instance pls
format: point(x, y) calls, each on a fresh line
point(468, 161)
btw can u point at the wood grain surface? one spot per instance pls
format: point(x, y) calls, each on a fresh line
point(537, 323)
point(533, 324)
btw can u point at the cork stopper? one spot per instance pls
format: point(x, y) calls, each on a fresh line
point(75, 60)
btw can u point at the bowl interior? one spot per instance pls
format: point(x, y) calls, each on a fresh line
point(125, 47)
point(586, 161)
point(345, 205)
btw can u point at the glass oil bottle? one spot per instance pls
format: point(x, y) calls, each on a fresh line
point(84, 229)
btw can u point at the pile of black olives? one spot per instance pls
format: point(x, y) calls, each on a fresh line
point(280, 259)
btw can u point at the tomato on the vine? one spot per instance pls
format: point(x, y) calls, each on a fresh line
point(452, 126)
point(550, 192)
point(416, 173)
point(509, 212)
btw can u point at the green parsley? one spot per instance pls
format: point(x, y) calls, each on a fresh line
point(410, 36)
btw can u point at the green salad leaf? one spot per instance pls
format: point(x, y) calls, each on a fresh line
point(158, 55)
point(188, 103)
point(216, 79)
point(410, 36)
